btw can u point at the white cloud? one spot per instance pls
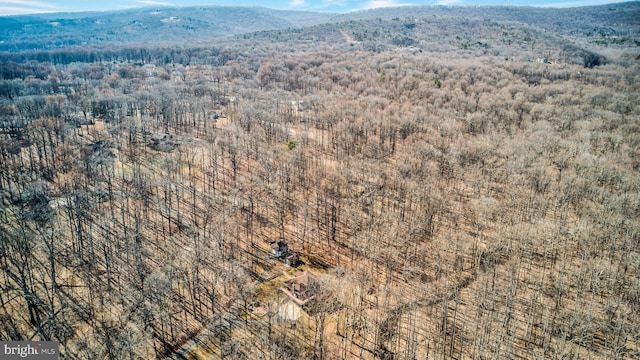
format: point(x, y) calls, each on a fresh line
point(381, 3)
point(14, 10)
point(327, 3)
point(29, 3)
point(151, 2)
point(298, 3)
point(16, 7)
point(373, 4)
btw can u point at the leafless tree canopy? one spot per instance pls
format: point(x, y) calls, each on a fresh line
point(455, 194)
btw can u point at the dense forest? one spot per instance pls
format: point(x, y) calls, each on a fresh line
point(453, 184)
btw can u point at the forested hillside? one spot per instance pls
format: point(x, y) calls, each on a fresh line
point(451, 186)
point(609, 24)
point(144, 26)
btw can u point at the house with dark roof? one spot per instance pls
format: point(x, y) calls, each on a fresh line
point(292, 259)
point(279, 249)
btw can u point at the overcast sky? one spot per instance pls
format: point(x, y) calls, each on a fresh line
point(12, 7)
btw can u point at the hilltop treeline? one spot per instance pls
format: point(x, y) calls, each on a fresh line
point(612, 24)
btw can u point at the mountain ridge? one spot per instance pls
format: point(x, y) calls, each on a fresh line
point(153, 25)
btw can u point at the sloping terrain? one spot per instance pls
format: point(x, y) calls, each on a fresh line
point(616, 19)
point(150, 26)
point(617, 22)
point(459, 187)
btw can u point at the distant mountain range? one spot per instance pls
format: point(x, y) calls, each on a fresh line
point(169, 25)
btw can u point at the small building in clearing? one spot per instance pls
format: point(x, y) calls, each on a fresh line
point(292, 259)
point(302, 287)
point(279, 248)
